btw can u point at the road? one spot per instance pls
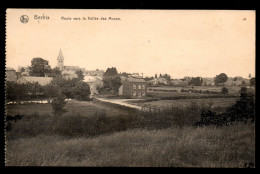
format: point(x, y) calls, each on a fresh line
point(122, 102)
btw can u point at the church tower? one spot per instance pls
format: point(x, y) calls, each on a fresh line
point(60, 60)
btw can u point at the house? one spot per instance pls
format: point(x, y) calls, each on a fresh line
point(96, 72)
point(31, 79)
point(159, 80)
point(133, 87)
point(93, 82)
point(10, 75)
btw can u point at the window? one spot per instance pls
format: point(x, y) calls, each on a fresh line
point(134, 86)
point(143, 86)
point(134, 93)
point(143, 93)
point(139, 87)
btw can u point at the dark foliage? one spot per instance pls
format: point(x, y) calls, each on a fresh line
point(196, 81)
point(252, 81)
point(80, 75)
point(111, 84)
point(39, 67)
point(224, 90)
point(242, 111)
point(58, 105)
point(111, 72)
point(220, 79)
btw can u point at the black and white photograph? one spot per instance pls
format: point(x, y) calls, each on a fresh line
point(130, 88)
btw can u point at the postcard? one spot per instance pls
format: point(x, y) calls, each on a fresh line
point(130, 88)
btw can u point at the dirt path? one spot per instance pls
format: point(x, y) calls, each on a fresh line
point(122, 102)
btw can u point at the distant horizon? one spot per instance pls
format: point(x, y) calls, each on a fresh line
point(193, 43)
point(119, 72)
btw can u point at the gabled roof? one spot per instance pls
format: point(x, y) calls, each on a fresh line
point(136, 80)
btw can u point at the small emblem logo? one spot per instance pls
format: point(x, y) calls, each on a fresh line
point(24, 19)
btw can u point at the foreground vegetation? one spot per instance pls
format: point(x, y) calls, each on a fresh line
point(229, 146)
point(187, 136)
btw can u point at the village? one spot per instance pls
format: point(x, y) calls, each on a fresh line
point(76, 102)
point(130, 88)
point(132, 85)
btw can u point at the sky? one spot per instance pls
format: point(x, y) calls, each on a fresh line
point(177, 42)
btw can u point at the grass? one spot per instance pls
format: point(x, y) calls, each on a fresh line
point(217, 102)
point(231, 146)
point(232, 89)
point(92, 134)
point(74, 107)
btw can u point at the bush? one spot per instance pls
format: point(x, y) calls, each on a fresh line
point(242, 111)
point(82, 91)
point(58, 105)
point(224, 90)
point(252, 81)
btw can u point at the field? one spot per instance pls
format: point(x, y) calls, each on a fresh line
point(162, 104)
point(83, 108)
point(231, 146)
point(94, 134)
point(231, 89)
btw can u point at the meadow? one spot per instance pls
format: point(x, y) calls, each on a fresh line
point(95, 134)
point(73, 107)
point(163, 104)
point(232, 89)
point(230, 146)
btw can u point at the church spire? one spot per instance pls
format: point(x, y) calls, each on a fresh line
point(60, 56)
point(60, 61)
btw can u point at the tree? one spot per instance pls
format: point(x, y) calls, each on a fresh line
point(224, 90)
point(196, 81)
point(22, 70)
point(68, 87)
point(168, 77)
point(58, 105)
point(221, 78)
point(39, 67)
point(80, 75)
point(116, 83)
point(244, 108)
point(111, 72)
point(243, 83)
point(155, 76)
point(82, 91)
point(112, 83)
point(51, 90)
point(252, 81)
point(55, 72)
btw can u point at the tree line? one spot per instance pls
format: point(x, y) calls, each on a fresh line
point(74, 88)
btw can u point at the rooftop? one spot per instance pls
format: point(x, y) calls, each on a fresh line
point(136, 80)
point(9, 69)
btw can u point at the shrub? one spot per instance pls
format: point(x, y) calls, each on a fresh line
point(252, 81)
point(58, 105)
point(242, 111)
point(82, 91)
point(224, 90)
